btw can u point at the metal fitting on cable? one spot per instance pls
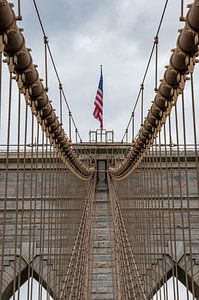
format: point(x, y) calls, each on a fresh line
point(45, 39)
point(156, 40)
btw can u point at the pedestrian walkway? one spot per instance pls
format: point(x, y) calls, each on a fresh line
point(102, 260)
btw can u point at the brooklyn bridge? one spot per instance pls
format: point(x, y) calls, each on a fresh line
point(100, 219)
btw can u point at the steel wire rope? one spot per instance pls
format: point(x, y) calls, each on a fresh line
point(156, 225)
point(31, 201)
point(17, 196)
point(153, 272)
point(161, 218)
point(188, 235)
point(35, 208)
point(145, 228)
point(195, 137)
point(148, 64)
point(5, 202)
point(182, 11)
point(119, 244)
point(142, 222)
point(61, 248)
point(136, 151)
point(41, 188)
point(182, 206)
point(23, 198)
point(195, 128)
point(56, 223)
point(168, 200)
point(51, 214)
point(140, 227)
point(172, 205)
point(126, 249)
point(55, 67)
point(1, 54)
point(58, 218)
point(44, 223)
point(19, 17)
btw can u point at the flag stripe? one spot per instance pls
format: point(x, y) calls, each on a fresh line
point(99, 104)
point(99, 92)
point(98, 100)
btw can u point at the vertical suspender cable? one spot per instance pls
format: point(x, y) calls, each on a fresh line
point(187, 193)
point(133, 126)
point(172, 206)
point(23, 195)
point(35, 207)
point(42, 172)
point(31, 201)
point(6, 183)
point(194, 129)
point(163, 233)
point(182, 10)
point(17, 197)
point(168, 195)
point(60, 103)
point(182, 206)
point(0, 87)
point(69, 126)
point(127, 135)
point(76, 134)
point(46, 61)
point(156, 41)
point(142, 104)
point(197, 170)
point(19, 17)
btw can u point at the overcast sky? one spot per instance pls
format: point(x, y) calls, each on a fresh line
point(117, 34)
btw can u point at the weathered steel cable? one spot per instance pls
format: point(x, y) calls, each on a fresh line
point(20, 62)
point(56, 72)
point(154, 48)
point(131, 284)
point(0, 84)
point(80, 249)
point(3, 230)
point(182, 62)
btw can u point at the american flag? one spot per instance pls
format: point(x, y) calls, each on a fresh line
point(98, 110)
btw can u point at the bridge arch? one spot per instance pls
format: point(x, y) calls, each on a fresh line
point(179, 275)
point(26, 273)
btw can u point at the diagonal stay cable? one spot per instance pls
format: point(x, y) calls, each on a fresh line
point(148, 64)
point(54, 65)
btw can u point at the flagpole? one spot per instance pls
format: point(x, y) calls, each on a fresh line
point(101, 127)
point(98, 109)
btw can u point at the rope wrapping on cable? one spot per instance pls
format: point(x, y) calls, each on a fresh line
point(182, 63)
point(20, 62)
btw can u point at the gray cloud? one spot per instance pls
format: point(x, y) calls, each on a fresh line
point(85, 34)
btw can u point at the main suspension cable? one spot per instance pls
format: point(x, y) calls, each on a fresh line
point(154, 47)
point(55, 68)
